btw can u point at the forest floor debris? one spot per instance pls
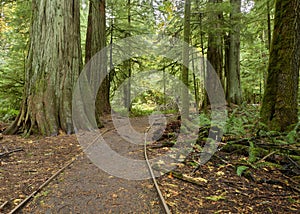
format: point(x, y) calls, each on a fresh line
point(265, 189)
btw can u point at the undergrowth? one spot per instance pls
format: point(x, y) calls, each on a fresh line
point(7, 111)
point(243, 134)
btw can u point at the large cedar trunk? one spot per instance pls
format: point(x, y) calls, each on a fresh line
point(234, 93)
point(280, 107)
point(52, 67)
point(96, 41)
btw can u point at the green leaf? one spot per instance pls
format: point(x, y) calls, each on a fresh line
point(252, 153)
point(241, 169)
point(215, 198)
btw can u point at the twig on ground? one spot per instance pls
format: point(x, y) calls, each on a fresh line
point(42, 186)
point(3, 205)
point(294, 162)
point(26, 200)
point(264, 158)
point(5, 154)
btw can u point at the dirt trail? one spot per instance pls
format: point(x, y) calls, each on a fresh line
point(84, 188)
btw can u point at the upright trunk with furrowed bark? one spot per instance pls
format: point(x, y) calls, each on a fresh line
point(280, 107)
point(52, 67)
point(215, 46)
point(95, 42)
point(234, 91)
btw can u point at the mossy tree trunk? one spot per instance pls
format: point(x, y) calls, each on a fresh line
point(95, 42)
point(234, 93)
point(280, 107)
point(52, 67)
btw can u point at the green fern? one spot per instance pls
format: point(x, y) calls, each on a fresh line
point(252, 153)
point(241, 169)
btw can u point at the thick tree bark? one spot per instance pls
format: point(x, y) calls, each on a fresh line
point(215, 43)
point(53, 65)
point(280, 107)
point(233, 76)
point(95, 42)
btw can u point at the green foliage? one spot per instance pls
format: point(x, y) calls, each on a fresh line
point(252, 153)
point(148, 17)
point(145, 103)
point(14, 41)
point(204, 119)
point(7, 113)
point(294, 135)
point(151, 101)
point(166, 18)
point(139, 111)
point(268, 164)
point(234, 125)
point(241, 169)
point(216, 197)
point(242, 120)
point(255, 50)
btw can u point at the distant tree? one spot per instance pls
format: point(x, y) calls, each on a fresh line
point(215, 44)
point(52, 67)
point(186, 58)
point(257, 20)
point(215, 41)
point(126, 19)
point(280, 107)
point(234, 92)
point(95, 42)
point(128, 62)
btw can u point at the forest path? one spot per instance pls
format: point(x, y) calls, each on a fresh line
point(84, 188)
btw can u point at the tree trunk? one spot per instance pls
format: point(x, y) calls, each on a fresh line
point(203, 66)
point(215, 43)
point(226, 64)
point(233, 78)
point(269, 24)
point(186, 59)
point(280, 107)
point(52, 67)
point(95, 42)
point(128, 64)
